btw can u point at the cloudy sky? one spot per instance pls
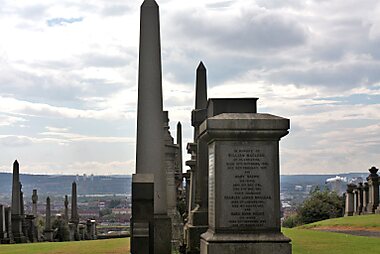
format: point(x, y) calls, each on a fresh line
point(68, 78)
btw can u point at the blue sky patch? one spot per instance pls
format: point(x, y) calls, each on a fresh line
point(63, 21)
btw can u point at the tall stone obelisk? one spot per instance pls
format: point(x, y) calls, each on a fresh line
point(74, 205)
point(66, 203)
point(48, 231)
point(16, 206)
point(198, 217)
point(150, 145)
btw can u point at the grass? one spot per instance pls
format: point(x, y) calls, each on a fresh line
point(316, 242)
point(304, 241)
point(363, 221)
point(111, 246)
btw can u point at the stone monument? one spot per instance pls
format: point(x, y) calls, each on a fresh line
point(142, 226)
point(3, 230)
point(365, 198)
point(8, 226)
point(17, 216)
point(66, 203)
point(74, 220)
point(197, 221)
point(349, 205)
point(48, 231)
point(149, 143)
point(34, 203)
point(244, 179)
point(373, 184)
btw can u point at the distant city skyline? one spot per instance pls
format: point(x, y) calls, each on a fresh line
point(68, 78)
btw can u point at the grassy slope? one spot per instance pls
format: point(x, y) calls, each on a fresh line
point(363, 221)
point(317, 242)
point(112, 246)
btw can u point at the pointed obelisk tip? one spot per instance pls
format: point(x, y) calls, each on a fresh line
point(149, 3)
point(179, 124)
point(201, 66)
point(15, 163)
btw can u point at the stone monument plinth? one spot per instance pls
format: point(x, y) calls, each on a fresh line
point(244, 179)
point(349, 205)
point(142, 221)
point(373, 185)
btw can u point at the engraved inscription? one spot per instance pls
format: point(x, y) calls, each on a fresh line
point(248, 203)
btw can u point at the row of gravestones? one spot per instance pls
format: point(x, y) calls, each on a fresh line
point(18, 227)
point(363, 198)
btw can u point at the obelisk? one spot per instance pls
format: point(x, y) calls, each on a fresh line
point(179, 156)
point(48, 230)
point(198, 217)
point(16, 206)
point(74, 206)
point(66, 203)
point(34, 201)
point(149, 143)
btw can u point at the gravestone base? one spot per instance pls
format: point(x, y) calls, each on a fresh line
point(19, 238)
point(6, 241)
point(142, 231)
point(48, 233)
point(193, 236)
point(349, 214)
point(198, 224)
point(263, 243)
point(162, 234)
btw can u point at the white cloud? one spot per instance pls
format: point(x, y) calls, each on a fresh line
point(74, 84)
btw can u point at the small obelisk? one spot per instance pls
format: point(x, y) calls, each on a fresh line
point(74, 205)
point(200, 97)
point(48, 231)
point(66, 208)
point(34, 201)
point(198, 217)
point(179, 143)
point(16, 206)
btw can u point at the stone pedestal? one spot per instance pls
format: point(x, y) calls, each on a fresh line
point(162, 236)
point(73, 231)
point(142, 224)
point(3, 230)
point(356, 200)
point(349, 204)
point(373, 184)
point(365, 197)
point(244, 179)
point(8, 226)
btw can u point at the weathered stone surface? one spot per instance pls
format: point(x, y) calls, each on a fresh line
point(365, 197)
point(17, 216)
point(34, 202)
point(243, 157)
point(142, 221)
point(349, 205)
point(48, 233)
point(8, 226)
point(373, 183)
point(149, 110)
point(3, 230)
point(74, 204)
point(66, 204)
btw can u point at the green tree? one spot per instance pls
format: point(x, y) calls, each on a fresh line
point(321, 205)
